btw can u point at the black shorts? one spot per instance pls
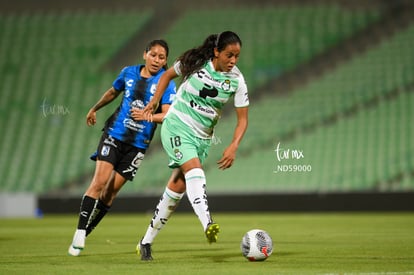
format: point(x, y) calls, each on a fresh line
point(125, 158)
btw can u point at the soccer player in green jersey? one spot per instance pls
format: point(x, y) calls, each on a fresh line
point(209, 78)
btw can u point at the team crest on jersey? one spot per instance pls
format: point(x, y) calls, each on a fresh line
point(226, 85)
point(178, 154)
point(105, 150)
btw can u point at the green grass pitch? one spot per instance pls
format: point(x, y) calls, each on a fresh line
point(304, 243)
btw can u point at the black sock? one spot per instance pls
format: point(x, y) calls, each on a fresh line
point(86, 209)
point(100, 211)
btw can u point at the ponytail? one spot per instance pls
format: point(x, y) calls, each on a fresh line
point(194, 59)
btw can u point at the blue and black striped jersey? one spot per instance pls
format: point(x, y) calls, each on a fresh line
point(137, 92)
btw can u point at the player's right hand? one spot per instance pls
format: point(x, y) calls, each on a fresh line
point(91, 118)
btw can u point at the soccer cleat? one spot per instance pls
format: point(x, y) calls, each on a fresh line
point(211, 232)
point(145, 251)
point(78, 242)
point(74, 251)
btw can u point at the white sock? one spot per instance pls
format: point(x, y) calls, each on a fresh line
point(196, 193)
point(166, 206)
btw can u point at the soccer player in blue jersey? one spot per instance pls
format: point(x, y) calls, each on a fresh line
point(125, 138)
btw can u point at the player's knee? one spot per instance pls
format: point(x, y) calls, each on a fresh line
point(177, 183)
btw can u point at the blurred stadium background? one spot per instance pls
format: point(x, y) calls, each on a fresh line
point(332, 81)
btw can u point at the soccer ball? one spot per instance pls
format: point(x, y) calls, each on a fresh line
point(256, 245)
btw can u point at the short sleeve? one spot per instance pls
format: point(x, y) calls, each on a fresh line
point(169, 94)
point(241, 97)
point(177, 67)
point(119, 82)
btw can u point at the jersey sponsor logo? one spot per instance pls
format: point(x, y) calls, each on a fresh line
point(204, 74)
point(208, 92)
point(194, 105)
point(133, 125)
point(110, 141)
point(129, 82)
point(210, 84)
point(138, 104)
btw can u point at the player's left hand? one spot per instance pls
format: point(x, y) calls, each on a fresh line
point(229, 155)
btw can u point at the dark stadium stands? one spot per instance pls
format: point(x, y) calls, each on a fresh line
point(50, 78)
point(275, 39)
point(352, 123)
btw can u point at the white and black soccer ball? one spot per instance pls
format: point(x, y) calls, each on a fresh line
point(256, 245)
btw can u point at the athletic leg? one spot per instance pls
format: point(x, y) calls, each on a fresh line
point(105, 200)
point(189, 152)
point(166, 206)
point(196, 192)
point(103, 172)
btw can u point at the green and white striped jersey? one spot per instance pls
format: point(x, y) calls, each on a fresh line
point(201, 97)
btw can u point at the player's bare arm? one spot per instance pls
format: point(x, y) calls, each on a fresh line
point(138, 114)
point(229, 154)
point(107, 97)
point(162, 85)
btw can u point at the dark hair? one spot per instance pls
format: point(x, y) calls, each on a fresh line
point(195, 58)
point(160, 42)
